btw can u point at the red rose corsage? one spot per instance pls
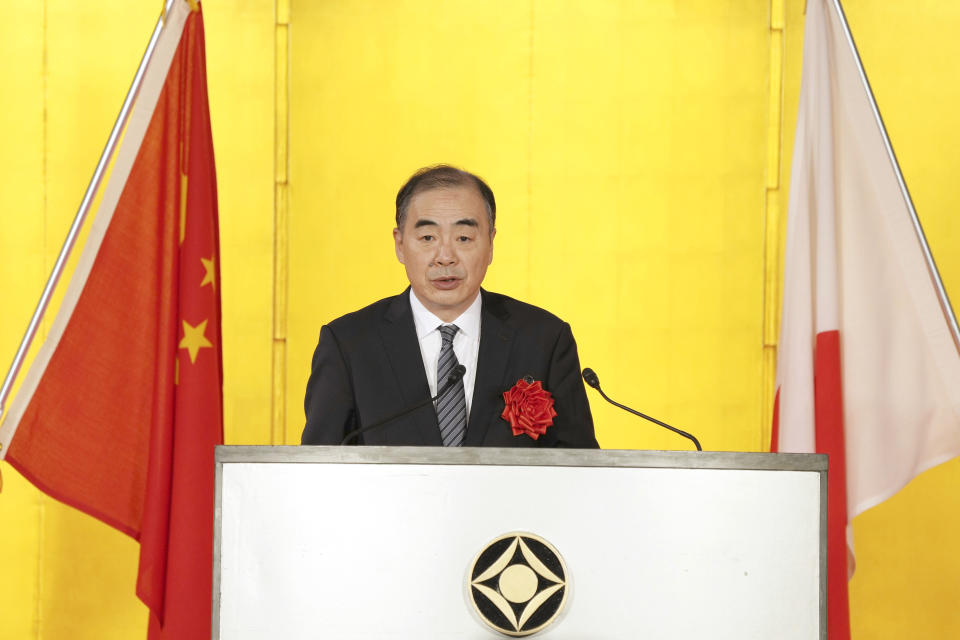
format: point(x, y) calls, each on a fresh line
point(528, 408)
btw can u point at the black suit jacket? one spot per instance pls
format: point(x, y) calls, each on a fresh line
point(367, 366)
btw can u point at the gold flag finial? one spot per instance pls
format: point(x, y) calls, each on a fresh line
point(194, 6)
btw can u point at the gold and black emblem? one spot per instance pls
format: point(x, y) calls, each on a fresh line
point(518, 584)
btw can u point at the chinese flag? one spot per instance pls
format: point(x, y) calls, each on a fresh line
point(867, 370)
point(122, 407)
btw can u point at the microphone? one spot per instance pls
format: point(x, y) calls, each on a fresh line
point(453, 378)
point(591, 379)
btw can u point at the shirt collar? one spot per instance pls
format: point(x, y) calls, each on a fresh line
point(426, 322)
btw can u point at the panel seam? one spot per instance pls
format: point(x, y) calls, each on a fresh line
point(772, 223)
point(281, 185)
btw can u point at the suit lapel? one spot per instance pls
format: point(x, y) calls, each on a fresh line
point(403, 350)
point(496, 338)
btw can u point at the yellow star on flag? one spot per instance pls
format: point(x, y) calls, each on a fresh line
point(208, 272)
point(193, 339)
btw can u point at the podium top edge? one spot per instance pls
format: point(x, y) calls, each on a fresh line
point(522, 457)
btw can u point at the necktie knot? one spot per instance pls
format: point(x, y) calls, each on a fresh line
point(447, 331)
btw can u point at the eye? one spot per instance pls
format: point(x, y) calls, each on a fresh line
point(464, 238)
point(427, 238)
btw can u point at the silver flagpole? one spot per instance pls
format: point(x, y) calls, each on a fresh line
point(82, 212)
point(931, 265)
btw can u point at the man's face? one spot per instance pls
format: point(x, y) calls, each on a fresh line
point(445, 246)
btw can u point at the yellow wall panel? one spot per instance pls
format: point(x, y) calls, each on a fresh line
point(22, 165)
point(240, 81)
point(88, 574)
point(21, 263)
point(646, 209)
point(20, 527)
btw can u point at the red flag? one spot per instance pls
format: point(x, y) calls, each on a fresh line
point(122, 408)
point(867, 370)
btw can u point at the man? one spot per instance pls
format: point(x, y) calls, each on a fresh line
point(400, 351)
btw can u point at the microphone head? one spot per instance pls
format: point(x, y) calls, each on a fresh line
point(457, 373)
point(591, 378)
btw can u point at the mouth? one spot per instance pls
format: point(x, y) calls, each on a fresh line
point(446, 283)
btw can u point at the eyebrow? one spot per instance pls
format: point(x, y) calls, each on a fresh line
point(467, 222)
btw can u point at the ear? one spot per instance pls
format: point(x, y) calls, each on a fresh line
point(398, 244)
point(492, 236)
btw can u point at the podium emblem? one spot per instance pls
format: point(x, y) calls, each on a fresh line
point(518, 584)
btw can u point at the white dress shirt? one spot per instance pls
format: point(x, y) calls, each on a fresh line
point(466, 343)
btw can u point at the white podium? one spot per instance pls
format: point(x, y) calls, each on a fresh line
point(395, 542)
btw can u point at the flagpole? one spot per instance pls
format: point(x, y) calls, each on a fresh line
point(927, 254)
point(82, 212)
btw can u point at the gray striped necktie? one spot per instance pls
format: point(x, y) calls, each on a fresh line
point(452, 406)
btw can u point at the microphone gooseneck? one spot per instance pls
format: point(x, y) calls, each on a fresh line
point(593, 381)
point(455, 376)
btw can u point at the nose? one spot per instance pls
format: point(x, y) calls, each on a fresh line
point(446, 255)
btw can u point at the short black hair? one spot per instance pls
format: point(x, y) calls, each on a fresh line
point(443, 176)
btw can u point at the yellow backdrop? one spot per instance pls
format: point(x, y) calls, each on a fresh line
point(640, 157)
